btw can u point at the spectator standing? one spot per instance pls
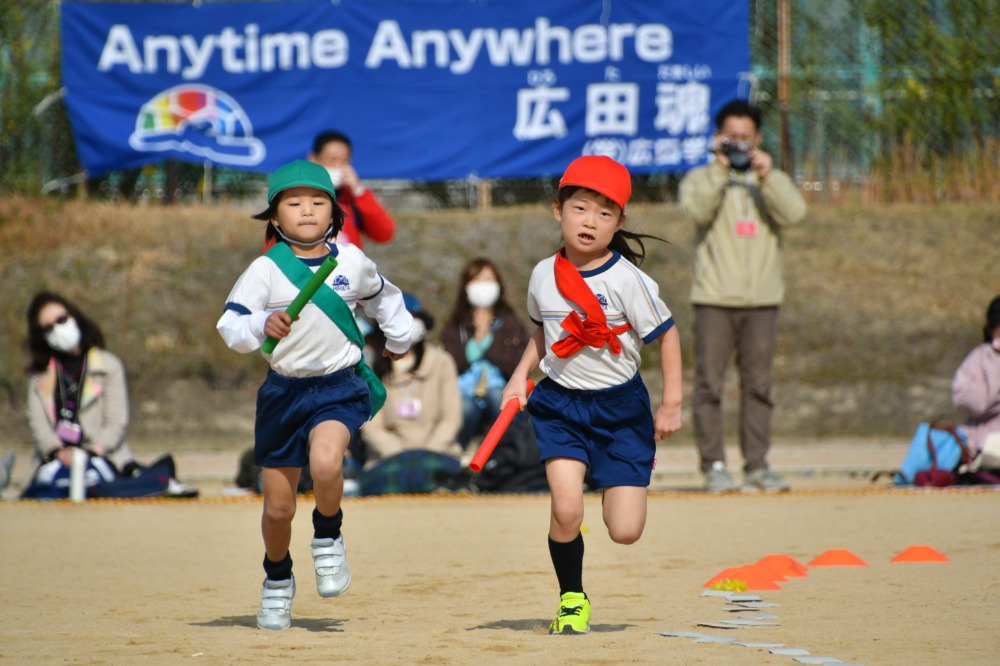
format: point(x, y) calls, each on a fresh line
point(739, 204)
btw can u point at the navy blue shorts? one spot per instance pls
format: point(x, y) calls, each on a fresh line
point(288, 408)
point(609, 429)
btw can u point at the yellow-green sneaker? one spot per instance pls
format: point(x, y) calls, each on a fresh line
point(573, 616)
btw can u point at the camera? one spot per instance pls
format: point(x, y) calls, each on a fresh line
point(738, 153)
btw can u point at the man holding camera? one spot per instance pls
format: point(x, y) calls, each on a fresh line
point(739, 204)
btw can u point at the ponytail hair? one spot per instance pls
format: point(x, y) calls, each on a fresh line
point(622, 241)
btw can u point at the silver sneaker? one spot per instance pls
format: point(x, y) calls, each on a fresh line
point(330, 561)
point(276, 604)
point(6, 465)
point(717, 479)
point(765, 479)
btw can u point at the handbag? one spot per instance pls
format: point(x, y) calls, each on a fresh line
point(937, 449)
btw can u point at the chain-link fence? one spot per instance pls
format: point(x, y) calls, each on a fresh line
point(863, 100)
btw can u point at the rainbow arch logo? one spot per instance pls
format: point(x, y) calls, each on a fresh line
point(200, 120)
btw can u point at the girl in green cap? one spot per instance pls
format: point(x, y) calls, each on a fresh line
point(318, 391)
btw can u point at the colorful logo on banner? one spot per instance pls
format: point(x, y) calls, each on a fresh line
point(426, 89)
point(198, 120)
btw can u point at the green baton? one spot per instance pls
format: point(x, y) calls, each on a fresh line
point(307, 292)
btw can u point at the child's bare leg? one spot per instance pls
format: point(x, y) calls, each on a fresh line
point(280, 485)
point(327, 443)
point(625, 513)
point(565, 477)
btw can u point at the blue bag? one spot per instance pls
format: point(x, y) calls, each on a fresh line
point(935, 446)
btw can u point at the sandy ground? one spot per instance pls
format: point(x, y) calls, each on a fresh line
point(463, 580)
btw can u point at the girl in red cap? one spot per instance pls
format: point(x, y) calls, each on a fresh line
point(594, 310)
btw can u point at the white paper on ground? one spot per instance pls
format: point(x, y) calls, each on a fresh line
point(751, 623)
point(715, 639)
point(739, 598)
point(817, 660)
point(758, 645)
point(756, 604)
point(792, 652)
point(682, 634)
point(715, 593)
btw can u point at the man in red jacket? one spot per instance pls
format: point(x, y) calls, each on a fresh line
point(364, 214)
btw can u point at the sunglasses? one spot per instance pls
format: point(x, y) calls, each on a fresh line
point(61, 320)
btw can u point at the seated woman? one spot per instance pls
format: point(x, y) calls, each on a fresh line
point(975, 390)
point(77, 397)
point(410, 444)
point(485, 338)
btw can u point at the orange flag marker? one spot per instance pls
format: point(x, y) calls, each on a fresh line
point(920, 554)
point(838, 558)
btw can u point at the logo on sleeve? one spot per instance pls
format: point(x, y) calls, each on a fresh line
point(603, 300)
point(341, 283)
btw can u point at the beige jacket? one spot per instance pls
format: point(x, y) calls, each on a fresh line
point(103, 411)
point(738, 222)
point(435, 426)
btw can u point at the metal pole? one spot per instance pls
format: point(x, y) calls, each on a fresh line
point(784, 49)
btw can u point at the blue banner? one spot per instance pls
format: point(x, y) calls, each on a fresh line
point(426, 89)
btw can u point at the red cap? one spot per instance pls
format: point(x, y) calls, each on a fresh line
point(601, 174)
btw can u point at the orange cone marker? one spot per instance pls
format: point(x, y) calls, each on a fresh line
point(755, 578)
point(785, 565)
point(920, 554)
point(838, 558)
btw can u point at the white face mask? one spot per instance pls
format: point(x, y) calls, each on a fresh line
point(419, 331)
point(336, 175)
point(64, 337)
point(483, 294)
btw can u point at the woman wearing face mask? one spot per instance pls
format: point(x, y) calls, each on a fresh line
point(77, 397)
point(77, 394)
point(422, 409)
point(486, 339)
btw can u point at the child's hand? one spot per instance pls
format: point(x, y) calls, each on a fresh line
point(278, 325)
point(393, 355)
point(517, 387)
point(666, 421)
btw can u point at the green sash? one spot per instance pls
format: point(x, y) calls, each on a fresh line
point(334, 307)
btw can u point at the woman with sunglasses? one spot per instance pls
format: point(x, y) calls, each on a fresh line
point(77, 394)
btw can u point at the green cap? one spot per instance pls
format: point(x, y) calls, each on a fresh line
point(299, 174)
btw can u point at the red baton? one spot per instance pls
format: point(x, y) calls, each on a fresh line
point(499, 427)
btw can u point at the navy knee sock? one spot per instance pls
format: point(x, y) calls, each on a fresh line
point(278, 570)
point(567, 558)
point(327, 527)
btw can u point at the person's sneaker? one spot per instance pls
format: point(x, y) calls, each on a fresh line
point(276, 604)
point(330, 561)
point(718, 480)
point(765, 479)
point(573, 616)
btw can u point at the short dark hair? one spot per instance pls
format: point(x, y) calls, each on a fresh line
point(738, 108)
point(330, 136)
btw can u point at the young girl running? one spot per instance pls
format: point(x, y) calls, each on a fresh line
point(318, 391)
point(594, 309)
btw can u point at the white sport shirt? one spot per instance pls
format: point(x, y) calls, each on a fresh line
point(627, 295)
point(315, 346)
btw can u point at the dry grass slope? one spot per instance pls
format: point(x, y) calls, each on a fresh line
point(883, 303)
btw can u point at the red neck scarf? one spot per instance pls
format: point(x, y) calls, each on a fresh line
point(593, 331)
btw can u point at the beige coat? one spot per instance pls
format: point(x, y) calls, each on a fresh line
point(435, 387)
point(103, 411)
point(739, 265)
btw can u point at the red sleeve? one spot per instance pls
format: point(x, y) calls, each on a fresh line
point(375, 221)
